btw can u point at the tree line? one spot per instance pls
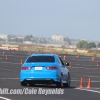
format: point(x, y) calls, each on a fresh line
point(15, 39)
point(85, 45)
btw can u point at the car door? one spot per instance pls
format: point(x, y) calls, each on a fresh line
point(62, 69)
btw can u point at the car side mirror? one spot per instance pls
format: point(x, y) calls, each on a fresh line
point(67, 64)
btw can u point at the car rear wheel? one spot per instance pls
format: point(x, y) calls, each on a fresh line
point(23, 84)
point(68, 81)
point(60, 84)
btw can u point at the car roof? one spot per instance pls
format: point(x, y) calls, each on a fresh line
point(43, 55)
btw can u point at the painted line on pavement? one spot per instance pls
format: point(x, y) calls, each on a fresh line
point(74, 64)
point(10, 62)
point(88, 90)
point(10, 78)
point(8, 70)
point(85, 68)
point(82, 65)
point(4, 98)
point(92, 76)
point(81, 60)
point(18, 56)
point(85, 81)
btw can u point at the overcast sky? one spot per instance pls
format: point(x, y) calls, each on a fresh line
point(76, 19)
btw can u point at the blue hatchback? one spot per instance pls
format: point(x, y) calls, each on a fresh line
point(45, 69)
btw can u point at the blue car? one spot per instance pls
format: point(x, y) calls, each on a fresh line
point(45, 69)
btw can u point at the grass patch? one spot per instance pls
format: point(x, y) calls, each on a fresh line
point(51, 50)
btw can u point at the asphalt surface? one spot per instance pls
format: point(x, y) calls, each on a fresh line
point(81, 67)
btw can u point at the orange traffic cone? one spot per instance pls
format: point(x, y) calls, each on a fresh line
point(81, 83)
point(3, 54)
point(92, 59)
point(28, 52)
point(70, 65)
point(89, 83)
point(97, 63)
point(21, 62)
point(64, 58)
point(6, 57)
point(78, 56)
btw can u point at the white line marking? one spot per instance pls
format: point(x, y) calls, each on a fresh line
point(84, 81)
point(77, 67)
point(8, 70)
point(86, 68)
point(81, 60)
point(88, 90)
point(4, 98)
point(18, 56)
point(10, 78)
point(83, 65)
point(92, 76)
point(10, 62)
point(91, 68)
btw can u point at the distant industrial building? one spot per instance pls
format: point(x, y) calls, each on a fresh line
point(20, 36)
point(3, 36)
point(57, 38)
point(16, 36)
point(27, 42)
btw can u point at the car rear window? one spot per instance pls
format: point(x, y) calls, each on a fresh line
point(41, 59)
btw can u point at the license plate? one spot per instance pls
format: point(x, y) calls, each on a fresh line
point(38, 68)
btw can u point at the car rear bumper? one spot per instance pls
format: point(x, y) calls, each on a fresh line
point(39, 76)
point(41, 81)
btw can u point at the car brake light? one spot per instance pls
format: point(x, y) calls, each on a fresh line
point(25, 68)
point(52, 68)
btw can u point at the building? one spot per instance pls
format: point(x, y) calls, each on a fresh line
point(3, 36)
point(20, 36)
point(57, 38)
point(16, 36)
point(28, 42)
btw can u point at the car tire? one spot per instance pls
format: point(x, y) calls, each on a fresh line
point(68, 81)
point(23, 84)
point(60, 84)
